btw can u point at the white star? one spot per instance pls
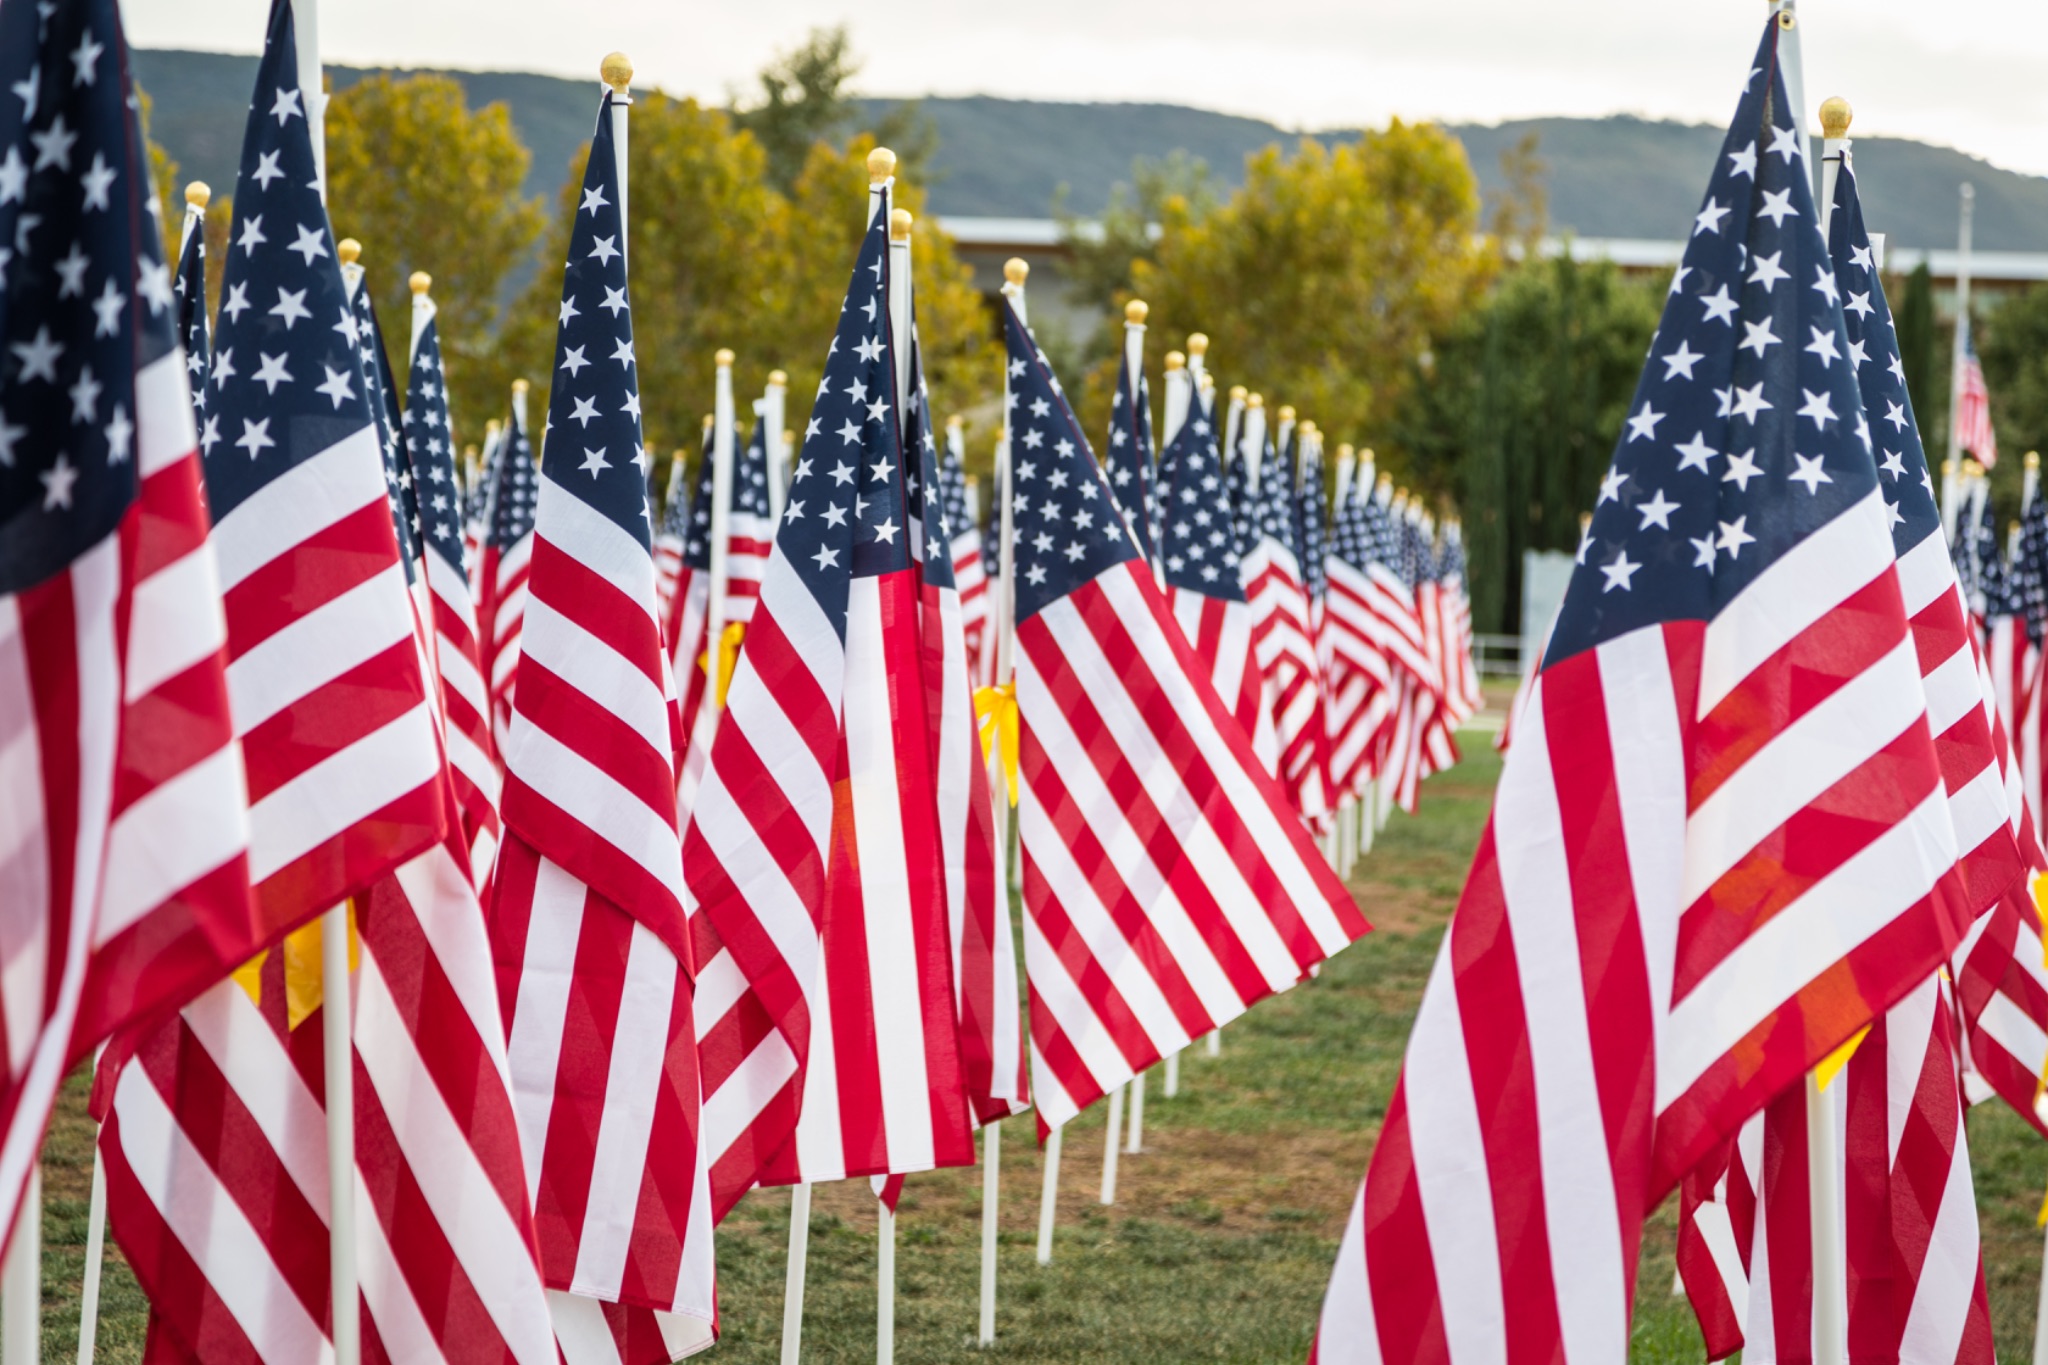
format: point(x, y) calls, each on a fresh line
point(38, 356)
point(842, 473)
point(593, 200)
point(1785, 143)
point(1681, 360)
point(310, 244)
point(1720, 307)
point(849, 432)
point(1823, 345)
point(290, 306)
point(120, 434)
point(632, 404)
point(1703, 552)
point(267, 169)
point(1777, 206)
point(1859, 304)
point(1619, 572)
point(794, 511)
point(337, 386)
point(1733, 537)
point(835, 516)
point(886, 532)
point(1709, 219)
point(1744, 161)
point(85, 59)
point(287, 104)
point(876, 410)
point(85, 396)
point(622, 351)
point(1860, 257)
point(1810, 473)
point(57, 481)
point(1696, 452)
point(826, 557)
point(236, 301)
point(1819, 406)
point(29, 91)
point(1656, 510)
point(255, 436)
point(1894, 463)
point(1644, 422)
point(223, 367)
point(210, 435)
point(1678, 278)
point(71, 272)
point(1757, 336)
point(1897, 367)
point(252, 234)
point(53, 145)
point(1824, 283)
point(9, 437)
point(97, 181)
point(1610, 486)
point(594, 462)
point(1766, 271)
point(1741, 469)
point(586, 411)
point(13, 177)
point(1893, 516)
point(271, 373)
point(1859, 355)
point(572, 360)
point(604, 248)
point(614, 301)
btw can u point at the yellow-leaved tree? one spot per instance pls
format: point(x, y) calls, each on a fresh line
point(427, 183)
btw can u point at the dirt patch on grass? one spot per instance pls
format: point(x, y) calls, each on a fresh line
point(1398, 909)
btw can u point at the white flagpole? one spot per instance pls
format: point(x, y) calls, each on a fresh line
point(197, 195)
point(793, 1279)
point(1110, 1134)
point(723, 422)
point(1134, 1131)
point(991, 1167)
point(1966, 219)
point(775, 417)
point(1049, 1196)
point(95, 1254)
point(1174, 413)
point(885, 1285)
point(21, 1279)
point(617, 73)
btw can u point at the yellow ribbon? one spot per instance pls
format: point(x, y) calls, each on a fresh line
point(995, 711)
point(1832, 1064)
point(303, 982)
point(728, 658)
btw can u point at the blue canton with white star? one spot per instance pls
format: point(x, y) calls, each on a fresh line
point(592, 443)
point(1311, 515)
point(1128, 462)
point(430, 450)
point(690, 516)
point(85, 295)
point(847, 512)
point(952, 497)
point(1197, 534)
point(287, 368)
point(1746, 433)
point(379, 383)
point(931, 518)
point(1066, 527)
point(190, 286)
point(515, 489)
point(1272, 503)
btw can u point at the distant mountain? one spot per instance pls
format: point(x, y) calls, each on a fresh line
point(1608, 177)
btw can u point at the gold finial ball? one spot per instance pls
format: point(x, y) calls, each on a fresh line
point(709, 421)
point(899, 225)
point(2033, 460)
point(1255, 400)
point(520, 386)
point(1135, 311)
point(348, 249)
point(1287, 413)
point(198, 193)
point(1367, 456)
point(881, 165)
point(1237, 393)
point(1016, 270)
point(616, 71)
point(722, 358)
point(491, 427)
point(1208, 382)
point(1344, 451)
point(1176, 361)
point(955, 422)
point(1308, 428)
point(1835, 114)
point(1198, 343)
point(778, 377)
point(421, 281)
point(788, 439)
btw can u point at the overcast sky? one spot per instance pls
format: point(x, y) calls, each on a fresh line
point(1966, 73)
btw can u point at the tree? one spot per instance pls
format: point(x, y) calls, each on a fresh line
point(1926, 382)
point(426, 183)
point(1328, 274)
point(1516, 414)
point(806, 98)
point(2012, 343)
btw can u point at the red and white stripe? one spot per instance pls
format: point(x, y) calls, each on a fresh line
point(501, 606)
point(466, 707)
point(1973, 403)
point(1219, 631)
point(588, 932)
point(1633, 969)
point(2002, 986)
point(1168, 886)
point(1284, 651)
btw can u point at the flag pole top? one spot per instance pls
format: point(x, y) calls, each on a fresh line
point(1344, 451)
point(2033, 460)
point(1176, 361)
point(778, 377)
point(520, 386)
point(1308, 428)
point(1835, 114)
point(1016, 270)
point(616, 71)
point(722, 358)
point(491, 427)
point(709, 421)
point(420, 282)
point(1287, 413)
point(1237, 393)
point(1135, 311)
point(1971, 468)
point(1198, 343)
point(955, 422)
point(899, 225)
point(198, 193)
point(1255, 400)
point(347, 250)
point(881, 165)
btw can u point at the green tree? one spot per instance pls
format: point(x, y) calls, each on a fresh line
point(2012, 342)
point(806, 98)
point(1515, 417)
point(1918, 346)
point(427, 183)
point(1328, 274)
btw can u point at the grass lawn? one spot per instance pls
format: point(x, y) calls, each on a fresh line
point(1221, 1241)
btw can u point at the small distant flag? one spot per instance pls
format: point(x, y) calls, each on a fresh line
point(1974, 435)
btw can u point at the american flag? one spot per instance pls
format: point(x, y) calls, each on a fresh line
point(504, 562)
point(1130, 466)
point(1461, 671)
point(398, 483)
point(812, 852)
point(1908, 1238)
point(125, 828)
point(1439, 750)
point(984, 963)
point(1362, 674)
point(1198, 567)
point(2030, 590)
point(1168, 887)
point(970, 572)
point(1720, 844)
point(1283, 633)
point(749, 529)
point(465, 698)
point(668, 533)
point(1973, 401)
point(688, 618)
point(190, 285)
point(587, 904)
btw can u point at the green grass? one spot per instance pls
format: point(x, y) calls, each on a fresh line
point(1221, 1241)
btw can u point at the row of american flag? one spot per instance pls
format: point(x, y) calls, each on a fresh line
point(1752, 921)
point(671, 826)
